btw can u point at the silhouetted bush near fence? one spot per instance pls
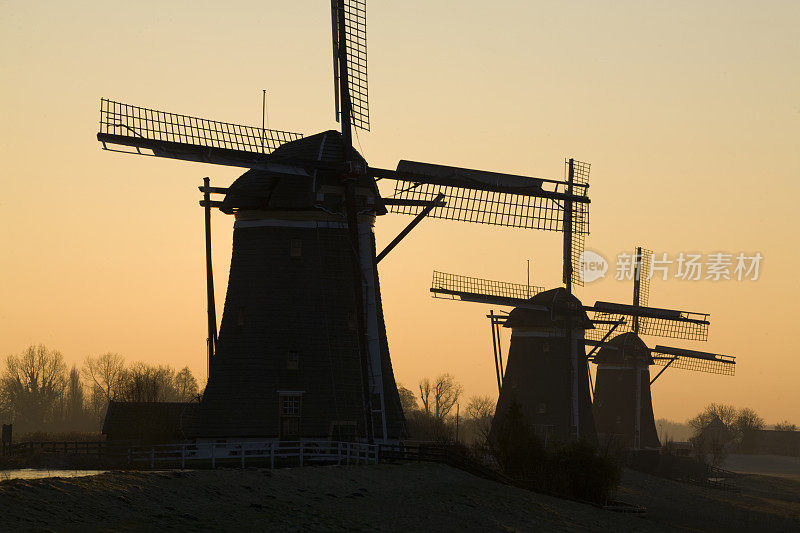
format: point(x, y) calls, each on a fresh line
point(573, 469)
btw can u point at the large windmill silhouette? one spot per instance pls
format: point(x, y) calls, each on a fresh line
point(302, 349)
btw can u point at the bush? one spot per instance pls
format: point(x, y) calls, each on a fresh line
point(579, 471)
point(574, 469)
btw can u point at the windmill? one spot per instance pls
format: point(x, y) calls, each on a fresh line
point(302, 349)
point(623, 407)
point(545, 372)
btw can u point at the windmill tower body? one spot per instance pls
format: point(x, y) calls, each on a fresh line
point(623, 374)
point(288, 361)
point(541, 376)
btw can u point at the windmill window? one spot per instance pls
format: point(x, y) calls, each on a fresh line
point(293, 360)
point(291, 404)
point(296, 248)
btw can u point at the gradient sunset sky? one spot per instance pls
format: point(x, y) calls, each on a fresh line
point(689, 113)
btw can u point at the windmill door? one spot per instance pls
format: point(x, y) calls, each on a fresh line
point(290, 405)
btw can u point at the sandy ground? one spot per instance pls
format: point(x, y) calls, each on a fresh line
point(414, 497)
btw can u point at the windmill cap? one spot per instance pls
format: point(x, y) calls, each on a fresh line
point(267, 189)
point(624, 348)
point(559, 304)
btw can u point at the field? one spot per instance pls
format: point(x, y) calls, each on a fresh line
point(418, 496)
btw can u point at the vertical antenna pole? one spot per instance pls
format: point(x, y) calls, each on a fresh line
point(458, 407)
point(212, 310)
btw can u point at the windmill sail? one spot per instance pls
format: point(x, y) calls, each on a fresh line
point(185, 137)
point(486, 197)
point(469, 289)
point(578, 182)
point(657, 322)
point(355, 44)
point(693, 360)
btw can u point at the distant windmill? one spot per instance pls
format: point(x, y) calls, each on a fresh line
point(302, 349)
point(546, 369)
point(623, 407)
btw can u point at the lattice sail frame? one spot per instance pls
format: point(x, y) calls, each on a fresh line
point(494, 208)
point(580, 216)
point(714, 364)
point(355, 22)
point(447, 284)
point(117, 118)
point(644, 274)
point(657, 327)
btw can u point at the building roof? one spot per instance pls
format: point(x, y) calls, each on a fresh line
point(262, 189)
point(624, 348)
point(559, 304)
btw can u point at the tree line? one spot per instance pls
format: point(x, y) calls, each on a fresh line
point(434, 412)
point(720, 429)
point(39, 393)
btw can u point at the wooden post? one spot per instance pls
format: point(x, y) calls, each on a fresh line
point(183, 456)
point(212, 311)
point(212, 455)
point(272, 455)
point(241, 448)
point(153, 457)
point(301, 453)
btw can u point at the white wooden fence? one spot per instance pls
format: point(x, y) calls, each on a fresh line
point(257, 454)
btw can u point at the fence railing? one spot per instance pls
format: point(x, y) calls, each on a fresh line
point(248, 453)
point(60, 447)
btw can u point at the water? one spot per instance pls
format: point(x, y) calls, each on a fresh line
point(40, 473)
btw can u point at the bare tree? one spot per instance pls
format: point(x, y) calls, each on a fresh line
point(746, 427)
point(724, 412)
point(148, 383)
point(747, 420)
point(33, 384)
point(105, 373)
point(720, 426)
point(425, 394)
point(479, 411)
point(785, 426)
point(480, 407)
point(186, 385)
point(440, 396)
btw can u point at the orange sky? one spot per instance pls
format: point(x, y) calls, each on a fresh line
point(687, 111)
